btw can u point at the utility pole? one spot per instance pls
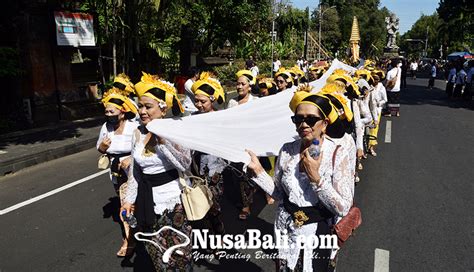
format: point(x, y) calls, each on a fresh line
point(273, 38)
point(320, 22)
point(321, 13)
point(426, 41)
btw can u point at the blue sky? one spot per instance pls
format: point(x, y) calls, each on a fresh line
point(407, 10)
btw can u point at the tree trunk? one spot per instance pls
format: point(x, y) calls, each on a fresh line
point(185, 50)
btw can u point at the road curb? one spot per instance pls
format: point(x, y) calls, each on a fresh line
point(17, 164)
point(52, 127)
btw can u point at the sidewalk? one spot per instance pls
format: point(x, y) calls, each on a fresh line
point(22, 149)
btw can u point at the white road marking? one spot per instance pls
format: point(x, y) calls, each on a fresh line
point(3, 152)
point(381, 260)
point(388, 132)
point(50, 193)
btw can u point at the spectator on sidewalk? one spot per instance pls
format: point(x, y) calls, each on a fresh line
point(393, 87)
point(469, 80)
point(300, 63)
point(433, 74)
point(276, 65)
point(451, 80)
point(115, 140)
point(460, 81)
point(254, 69)
point(413, 68)
point(249, 63)
point(188, 103)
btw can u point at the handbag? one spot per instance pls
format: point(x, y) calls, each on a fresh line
point(350, 222)
point(103, 162)
point(196, 199)
point(347, 225)
point(391, 83)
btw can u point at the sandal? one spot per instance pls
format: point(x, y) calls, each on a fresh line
point(359, 166)
point(125, 251)
point(243, 215)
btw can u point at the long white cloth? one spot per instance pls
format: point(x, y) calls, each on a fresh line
point(261, 125)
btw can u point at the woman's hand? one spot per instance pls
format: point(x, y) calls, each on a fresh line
point(125, 163)
point(130, 208)
point(254, 164)
point(311, 166)
point(105, 144)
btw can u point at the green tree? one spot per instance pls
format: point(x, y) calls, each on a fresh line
point(292, 23)
point(331, 36)
point(458, 29)
point(371, 24)
point(426, 27)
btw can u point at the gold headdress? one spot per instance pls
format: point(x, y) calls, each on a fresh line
point(119, 99)
point(332, 89)
point(122, 82)
point(305, 97)
point(248, 74)
point(210, 87)
point(267, 81)
point(162, 91)
point(285, 74)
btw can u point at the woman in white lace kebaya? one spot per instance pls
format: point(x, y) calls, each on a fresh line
point(245, 83)
point(208, 91)
point(312, 193)
point(380, 98)
point(115, 140)
point(153, 191)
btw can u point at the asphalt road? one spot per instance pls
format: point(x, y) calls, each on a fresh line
point(415, 197)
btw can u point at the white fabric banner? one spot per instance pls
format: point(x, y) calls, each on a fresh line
point(262, 125)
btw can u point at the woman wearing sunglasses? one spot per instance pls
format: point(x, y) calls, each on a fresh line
point(283, 80)
point(312, 193)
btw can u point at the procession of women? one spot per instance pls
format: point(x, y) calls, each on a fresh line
point(298, 138)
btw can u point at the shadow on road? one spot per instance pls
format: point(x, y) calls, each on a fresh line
point(51, 133)
point(421, 95)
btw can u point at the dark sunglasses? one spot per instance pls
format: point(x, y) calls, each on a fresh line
point(280, 81)
point(309, 120)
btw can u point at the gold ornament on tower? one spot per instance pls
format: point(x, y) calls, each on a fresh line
point(354, 40)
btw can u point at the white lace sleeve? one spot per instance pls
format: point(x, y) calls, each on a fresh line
point(133, 173)
point(102, 135)
point(373, 105)
point(336, 190)
point(365, 115)
point(356, 111)
point(382, 95)
point(272, 186)
point(132, 184)
point(179, 156)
